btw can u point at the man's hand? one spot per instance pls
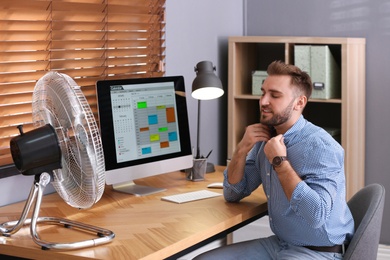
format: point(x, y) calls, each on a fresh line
point(275, 147)
point(253, 134)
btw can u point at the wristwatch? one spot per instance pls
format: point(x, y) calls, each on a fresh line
point(277, 160)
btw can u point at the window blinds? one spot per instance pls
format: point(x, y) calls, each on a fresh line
point(88, 40)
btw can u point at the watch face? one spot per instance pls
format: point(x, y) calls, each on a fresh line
point(278, 160)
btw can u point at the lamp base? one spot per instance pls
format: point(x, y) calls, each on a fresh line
point(210, 167)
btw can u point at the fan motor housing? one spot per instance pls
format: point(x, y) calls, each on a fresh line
point(36, 151)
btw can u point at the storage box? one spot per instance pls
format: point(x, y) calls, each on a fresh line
point(320, 64)
point(258, 78)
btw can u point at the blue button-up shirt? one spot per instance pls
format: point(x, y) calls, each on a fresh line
point(317, 213)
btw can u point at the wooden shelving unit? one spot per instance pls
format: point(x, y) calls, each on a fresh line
point(250, 53)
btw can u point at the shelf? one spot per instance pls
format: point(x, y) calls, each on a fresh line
point(336, 101)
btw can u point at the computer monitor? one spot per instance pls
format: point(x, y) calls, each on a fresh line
point(144, 130)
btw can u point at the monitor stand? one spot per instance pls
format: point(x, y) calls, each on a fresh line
point(137, 190)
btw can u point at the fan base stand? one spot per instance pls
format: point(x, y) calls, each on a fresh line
point(137, 190)
point(36, 193)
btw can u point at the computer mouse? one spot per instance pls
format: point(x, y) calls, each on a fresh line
point(215, 185)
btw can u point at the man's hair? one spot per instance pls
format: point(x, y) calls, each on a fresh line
point(299, 78)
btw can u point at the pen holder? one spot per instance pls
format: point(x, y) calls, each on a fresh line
point(198, 170)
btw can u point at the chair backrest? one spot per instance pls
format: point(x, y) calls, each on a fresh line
point(367, 210)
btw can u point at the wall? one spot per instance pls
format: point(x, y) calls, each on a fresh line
point(343, 18)
point(198, 30)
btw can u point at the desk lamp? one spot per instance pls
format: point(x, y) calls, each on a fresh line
point(206, 86)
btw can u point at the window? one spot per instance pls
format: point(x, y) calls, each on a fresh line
point(88, 40)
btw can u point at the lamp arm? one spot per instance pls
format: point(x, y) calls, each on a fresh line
point(197, 133)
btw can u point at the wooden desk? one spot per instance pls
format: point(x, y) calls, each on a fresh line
point(145, 227)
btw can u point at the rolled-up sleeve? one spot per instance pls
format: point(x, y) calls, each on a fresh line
point(250, 181)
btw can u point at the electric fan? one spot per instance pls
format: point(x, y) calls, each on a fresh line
point(65, 149)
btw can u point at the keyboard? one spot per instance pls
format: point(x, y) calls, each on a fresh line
point(191, 196)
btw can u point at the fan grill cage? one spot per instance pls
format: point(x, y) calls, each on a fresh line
point(59, 101)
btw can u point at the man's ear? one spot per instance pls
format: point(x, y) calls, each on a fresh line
point(301, 102)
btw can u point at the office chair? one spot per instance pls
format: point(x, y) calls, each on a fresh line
point(367, 210)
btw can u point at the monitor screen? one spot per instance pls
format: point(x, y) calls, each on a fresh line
point(144, 129)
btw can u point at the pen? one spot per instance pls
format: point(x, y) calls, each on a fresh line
point(209, 154)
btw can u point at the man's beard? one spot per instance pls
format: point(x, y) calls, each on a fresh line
point(280, 118)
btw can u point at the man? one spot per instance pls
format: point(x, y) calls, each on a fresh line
point(301, 168)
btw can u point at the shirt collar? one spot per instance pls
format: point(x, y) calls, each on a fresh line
point(295, 129)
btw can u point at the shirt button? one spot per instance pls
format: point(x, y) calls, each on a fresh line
point(267, 196)
point(270, 219)
point(267, 173)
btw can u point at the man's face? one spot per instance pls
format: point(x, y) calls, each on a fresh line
point(277, 101)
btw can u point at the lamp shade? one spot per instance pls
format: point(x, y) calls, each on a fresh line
point(206, 85)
